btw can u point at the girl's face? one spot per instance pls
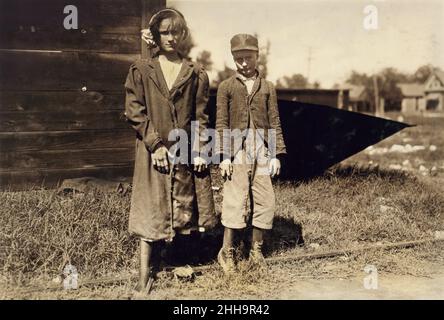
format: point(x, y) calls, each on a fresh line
point(170, 37)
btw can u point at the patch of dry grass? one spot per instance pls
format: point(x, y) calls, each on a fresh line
point(346, 209)
point(42, 231)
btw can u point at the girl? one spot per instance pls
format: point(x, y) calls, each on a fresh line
point(163, 93)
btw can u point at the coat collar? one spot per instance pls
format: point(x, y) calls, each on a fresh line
point(155, 73)
point(256, 85)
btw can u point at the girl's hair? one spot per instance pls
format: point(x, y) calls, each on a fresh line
point(177, 19)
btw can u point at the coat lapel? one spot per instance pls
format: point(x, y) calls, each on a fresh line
point(256, 87)
point(254, 90)
point(184, 75)
point(155, 73)
point(157, 76)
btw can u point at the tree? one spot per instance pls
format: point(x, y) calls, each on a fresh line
point(388, 80)
point(262, 63)
point(422, 73)
point(222, 75)
point(359, 79)
point(204, 59)
point(186, 46)
point(296, 81)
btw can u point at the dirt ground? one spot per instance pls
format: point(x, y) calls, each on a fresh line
point(414, 273)
point(390, 286)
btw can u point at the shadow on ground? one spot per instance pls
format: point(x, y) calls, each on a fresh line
point(198, 249)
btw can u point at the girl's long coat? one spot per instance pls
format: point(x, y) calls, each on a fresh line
point(153, 111)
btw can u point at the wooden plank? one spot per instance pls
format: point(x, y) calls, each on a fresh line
point(102, 26)
point(30, 10)
point(64, 159)
point(25, 180)
point(53, 71)
point(66, 140)
point(60, 121)
point(73, 40)
point(97, 33)
point(89, 22)
point(63, 101)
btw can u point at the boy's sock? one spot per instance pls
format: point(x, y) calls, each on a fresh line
point(258, 235)
point(229, 238)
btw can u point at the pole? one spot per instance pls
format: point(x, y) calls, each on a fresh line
point(376, 90)
point(308, 65)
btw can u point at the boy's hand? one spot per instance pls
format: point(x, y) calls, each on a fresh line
point(200, 164)
point(275, 167)
point(160, 160)
point(226, 168)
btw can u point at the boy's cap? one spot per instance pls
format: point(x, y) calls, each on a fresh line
point(244, 42)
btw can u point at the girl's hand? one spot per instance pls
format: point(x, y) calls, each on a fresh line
point(160, 160)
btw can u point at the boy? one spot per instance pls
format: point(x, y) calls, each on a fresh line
point(247, 104)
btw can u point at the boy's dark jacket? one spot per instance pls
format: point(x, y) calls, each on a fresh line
point(232, 111)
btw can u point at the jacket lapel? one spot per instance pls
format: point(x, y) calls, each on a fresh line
point(256, 87)
point(184, 75)
point(155, 73)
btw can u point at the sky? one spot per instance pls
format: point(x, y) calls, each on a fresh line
point(329, 34)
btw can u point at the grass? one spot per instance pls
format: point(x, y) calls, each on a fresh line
point(350, 206)
point(42, 231)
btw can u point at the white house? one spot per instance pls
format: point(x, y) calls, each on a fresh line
point(434, 91)
point(413, 97)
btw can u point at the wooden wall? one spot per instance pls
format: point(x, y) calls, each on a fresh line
point(61, 91)
point(327, 97)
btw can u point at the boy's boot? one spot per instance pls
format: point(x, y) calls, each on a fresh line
point(256, 255)
point(225, 257)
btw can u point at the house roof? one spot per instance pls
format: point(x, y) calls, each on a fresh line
point(411, 89)
point(357, 93)
point(440, 75)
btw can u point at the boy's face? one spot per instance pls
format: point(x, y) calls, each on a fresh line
point(246, 62)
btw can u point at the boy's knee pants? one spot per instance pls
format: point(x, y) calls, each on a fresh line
point(248, 180)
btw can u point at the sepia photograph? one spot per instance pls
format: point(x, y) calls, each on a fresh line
point(221, 150)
